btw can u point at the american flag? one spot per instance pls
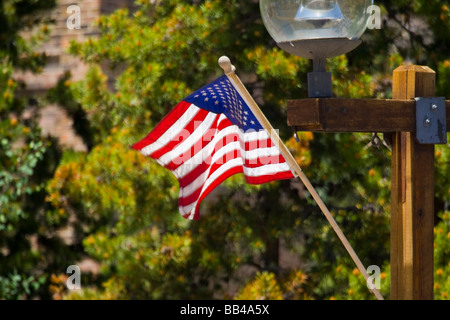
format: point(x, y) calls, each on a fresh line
point(209, 136)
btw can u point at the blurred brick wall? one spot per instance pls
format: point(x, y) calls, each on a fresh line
point(59, 61)
point(53, 120)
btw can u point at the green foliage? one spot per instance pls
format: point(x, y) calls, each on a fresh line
point(264, 287)
point(15, 286)
point(441, 258)
point(19, 16)
point(17, 166)
point(26, 158)
point(442, 174)
point(162, 52)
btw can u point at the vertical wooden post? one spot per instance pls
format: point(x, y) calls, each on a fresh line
point(412, 197)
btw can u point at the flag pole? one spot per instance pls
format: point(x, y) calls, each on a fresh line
point(229, 69)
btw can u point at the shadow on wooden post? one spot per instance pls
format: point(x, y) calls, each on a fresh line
point(412, 197)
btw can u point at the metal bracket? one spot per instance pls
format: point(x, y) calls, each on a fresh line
point(319, 81)
point(294, 131)
point(431, 124)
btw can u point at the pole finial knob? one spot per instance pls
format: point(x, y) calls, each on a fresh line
point(225, 64)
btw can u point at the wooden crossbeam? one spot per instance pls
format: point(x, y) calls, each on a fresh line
point(354, 115)
point(412, 168)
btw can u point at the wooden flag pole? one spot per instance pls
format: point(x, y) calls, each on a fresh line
point(229, 70)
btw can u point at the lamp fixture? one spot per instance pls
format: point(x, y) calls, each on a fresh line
point(317, 30)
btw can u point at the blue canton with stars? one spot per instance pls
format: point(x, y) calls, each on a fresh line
point(221, 97)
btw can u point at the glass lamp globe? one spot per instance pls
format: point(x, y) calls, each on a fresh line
point(316, 29)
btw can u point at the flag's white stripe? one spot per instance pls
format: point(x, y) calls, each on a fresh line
point(186, 209)
point(252, 135)
point(195, 184)
point(267, 169)
point(173, 132)
point(247, 155)
point(227, 166)
point(261, 152)
point(218, 158)
point(202, 157)
point(183, 121)
point(189, 189)
point(176, 127)
point(199, 157)
point(223, 117)
point(203, 154)
point(188, 143)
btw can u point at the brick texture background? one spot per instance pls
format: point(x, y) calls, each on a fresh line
point(53, 120)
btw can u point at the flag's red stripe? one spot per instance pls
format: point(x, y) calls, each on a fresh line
point(163, 126)
point(262, 161)
point(202, 167)
point(224, 122)
point(250, 179)
point(269, 177)
point(191, 176)
point(232, 137)
point(182, 135)
point(177, 162)
point(214, 184)
point(194, 197)
point(188, 172)
point(195, 148)
point(255, 144)
point(185, 201)
point(199, 145)
point(199, 169)
point(249, 163)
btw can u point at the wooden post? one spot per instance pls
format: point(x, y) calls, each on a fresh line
point(412, 197)
point(412, 218)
